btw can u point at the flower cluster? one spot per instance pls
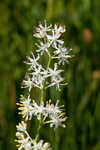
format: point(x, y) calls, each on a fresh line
point(38, 75)
point(48, 113)
point(51, 37)
point(53, 46)
point(26, 142)
point(43, 77)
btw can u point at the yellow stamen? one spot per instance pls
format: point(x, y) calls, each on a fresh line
point(17, 103)
point(24, 116)
point(63, 125)
point(15, 140)
point(65, 118)
point(33, 100)
point(46, 102)
point(21, 108)
point(66, 83)
point(62, 114)
point(49, 100)
point(19, 113)
point(21, 97)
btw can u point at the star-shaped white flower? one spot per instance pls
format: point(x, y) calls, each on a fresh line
point(43, 47)
point(41, 146)
point(56, 79)
point(26, 108)
point(38, 76)
point(41, 31)
point(61, 54)
point(54, 38)
point(33, 62)
point(21, 126)
point(28, 83)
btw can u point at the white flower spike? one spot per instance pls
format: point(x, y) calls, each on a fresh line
point(42, 77)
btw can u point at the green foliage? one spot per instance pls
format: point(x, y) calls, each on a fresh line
point(81, 96)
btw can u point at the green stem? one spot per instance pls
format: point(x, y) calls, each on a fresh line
point(49, 9)
point(39, 127)
point(50, 58)
point(43, 89)
point(41, 100)
point(29, 136)
point(42, 94)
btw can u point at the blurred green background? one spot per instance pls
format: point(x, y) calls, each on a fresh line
point(81, 97)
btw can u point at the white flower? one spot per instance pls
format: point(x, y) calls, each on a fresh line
point(23, 139)
point(29, 108)
point(56, 33)
point(41, 31)
point(46, 146)
point(60, 29)
point(38, 111)
point(41, 146)
point(33, 61)
point(53, 109)
point(24, 143)
point(19, 134)
point(48, 113)
point(55, 114)
point(43, 47)
point(56, 79)
point(28, 83)
point(62, 54)
point(26, 108)
point(38, 76)
point(54, 38)
point(56, 121)
point(21, 126)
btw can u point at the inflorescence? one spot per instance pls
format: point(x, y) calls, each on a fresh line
point(42, 78)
